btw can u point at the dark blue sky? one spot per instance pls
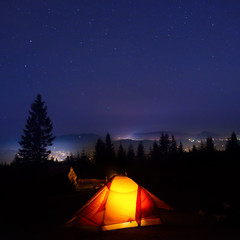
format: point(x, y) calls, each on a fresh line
point(121, 66)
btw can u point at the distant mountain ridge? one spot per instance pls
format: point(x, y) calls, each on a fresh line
point(205, 134)
point(76, 137)
point(177, 135)
point(73, 143)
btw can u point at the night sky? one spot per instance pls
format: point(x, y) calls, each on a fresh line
point(121, 66)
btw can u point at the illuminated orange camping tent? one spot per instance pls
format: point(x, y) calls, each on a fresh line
point(121, 203)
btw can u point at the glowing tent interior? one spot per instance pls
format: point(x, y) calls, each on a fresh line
point(121, 203)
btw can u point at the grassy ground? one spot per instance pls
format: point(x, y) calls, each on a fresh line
point(36, 204)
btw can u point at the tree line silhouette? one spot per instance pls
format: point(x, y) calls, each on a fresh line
point(38, 137)
point(164, 152)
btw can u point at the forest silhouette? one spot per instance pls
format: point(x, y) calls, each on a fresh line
point(34, 180)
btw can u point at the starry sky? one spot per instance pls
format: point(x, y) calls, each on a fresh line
point(121, 66)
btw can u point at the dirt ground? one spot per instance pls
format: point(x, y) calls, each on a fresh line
point(185, 226)
point(33, 213)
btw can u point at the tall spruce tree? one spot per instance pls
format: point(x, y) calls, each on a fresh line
point(121, 157)
point(37, 134)
point(202, 147)
point(173, 145)
point(99, 154)
point(210, 145)
point(155, 151)
point(109, 148)
point(232, 144)
point(121, 154)
point(164, 144)
point(130, 154)
point(180, 148)
point(194, 149)
point(140, 153)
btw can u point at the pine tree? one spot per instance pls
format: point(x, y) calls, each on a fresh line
point(130, 154)
point(194, 149)
point(104, 156)
point(155, 151)
point(164, 144)
point(173, 145)
point(84, 159)
point(99, 154)
point(232, 144)
point(109, 148)
point(140, 153)
point(209, 147)
point(37, 134)
point(121, 157)
point(71, 158)
point(202, 147)
point(67, 160)
point(180, 148)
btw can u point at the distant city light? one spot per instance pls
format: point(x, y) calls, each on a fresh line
point(59, 155)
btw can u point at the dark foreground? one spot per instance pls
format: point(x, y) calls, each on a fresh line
point(184, 226)
point(160, 232)
point(36, 204)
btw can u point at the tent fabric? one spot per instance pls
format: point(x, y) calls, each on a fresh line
point(121, 203)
